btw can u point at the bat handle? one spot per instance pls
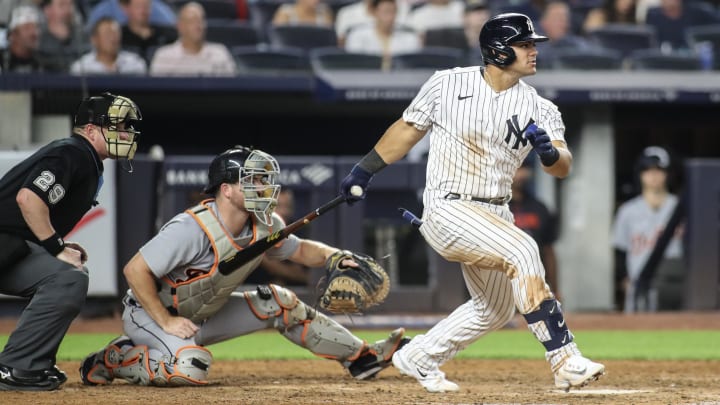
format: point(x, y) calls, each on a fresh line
point(330, 205)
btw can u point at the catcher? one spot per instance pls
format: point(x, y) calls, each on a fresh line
point(179, 302)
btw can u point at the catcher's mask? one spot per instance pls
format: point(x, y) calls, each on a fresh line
point(108, 111)
point(500, 32)
point(255, 171)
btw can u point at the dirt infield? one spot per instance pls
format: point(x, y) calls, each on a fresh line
point(482, 381)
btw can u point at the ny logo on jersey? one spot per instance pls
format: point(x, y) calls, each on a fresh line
point(514, 130)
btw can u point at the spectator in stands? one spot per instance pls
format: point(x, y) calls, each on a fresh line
point(555, 24)
point(281, 272)
point(140, 34)
point(436, 14)
point(23, 39)
point(360, 13)
point(191, 55)
point(304, 12)
point(7, 6)
point(106, 56)
point(533, 217)
point(611, 12)
point(673, 17)
point(531, 8)
point(62, 37)
point(476, 14)
point(383, 38)
point(160, 14)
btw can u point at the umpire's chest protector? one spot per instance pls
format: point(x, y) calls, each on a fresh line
point(200, 297)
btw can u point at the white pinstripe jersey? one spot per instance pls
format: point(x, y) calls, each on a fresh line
point(477, 135)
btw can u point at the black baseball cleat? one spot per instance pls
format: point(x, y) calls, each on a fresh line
point(378, 356)
point(55, 372)
point(19, 380)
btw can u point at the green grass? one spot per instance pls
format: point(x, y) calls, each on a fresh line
point(503, 344)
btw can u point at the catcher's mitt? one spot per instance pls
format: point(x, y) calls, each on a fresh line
point(353, 289)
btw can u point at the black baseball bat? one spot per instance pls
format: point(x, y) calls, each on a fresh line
point(254, 250)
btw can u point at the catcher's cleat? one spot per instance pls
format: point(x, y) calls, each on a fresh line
point(431, 380)
point(94, 369)
point(12, 379)
point(378, 356)
point(576, 372)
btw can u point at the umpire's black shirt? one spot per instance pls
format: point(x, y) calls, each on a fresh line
point(66, 174)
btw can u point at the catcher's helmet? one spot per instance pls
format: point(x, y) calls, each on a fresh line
point(108, 111)
point(500, 32)
point(255, 171)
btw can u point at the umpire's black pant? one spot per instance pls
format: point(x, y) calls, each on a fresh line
point(57, 292)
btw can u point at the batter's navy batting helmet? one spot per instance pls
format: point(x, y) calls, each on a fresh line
point(500, 32)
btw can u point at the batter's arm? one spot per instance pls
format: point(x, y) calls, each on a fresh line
point(142, 283)
point(397, 141)
point(561, 168)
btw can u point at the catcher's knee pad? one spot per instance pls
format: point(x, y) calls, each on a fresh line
point(133, 365)
point(327, 338)
point(190, 367)
point(271, 302)
point(547, 323)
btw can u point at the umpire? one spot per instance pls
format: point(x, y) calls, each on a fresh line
point(42, 199)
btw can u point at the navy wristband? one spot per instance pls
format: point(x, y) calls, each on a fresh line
point(54, 244)
point(550, 158)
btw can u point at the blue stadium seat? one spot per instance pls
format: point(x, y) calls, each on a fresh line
point(656, 60)
point(302, 36)
point(219, 9)
point(231, 33)
point(333, 58)
point(430, 58)
point(446, 37)
point(624, 38)
point(270, 60)
point(587, 59)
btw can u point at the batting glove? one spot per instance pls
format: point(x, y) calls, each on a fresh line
point(357, 177)
point(541, 143)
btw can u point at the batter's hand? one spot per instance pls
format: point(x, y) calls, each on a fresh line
point(357, 177)
point(541, 143)
point(180, 327)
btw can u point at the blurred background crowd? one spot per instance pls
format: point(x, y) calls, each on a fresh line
point(231, 37)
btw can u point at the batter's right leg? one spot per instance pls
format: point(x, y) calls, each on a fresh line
point(488, 309)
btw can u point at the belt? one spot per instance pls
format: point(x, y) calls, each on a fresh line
point(494, 201)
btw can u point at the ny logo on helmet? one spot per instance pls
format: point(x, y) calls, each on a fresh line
point(514, 130)
point(530, 25)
